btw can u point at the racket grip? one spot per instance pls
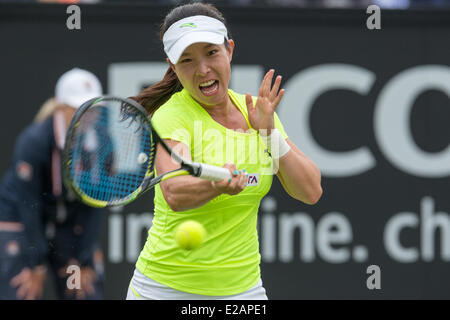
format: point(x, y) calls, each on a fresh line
point(213, 173)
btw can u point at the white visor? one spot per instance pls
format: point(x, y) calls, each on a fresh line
point(76, 87)
point(191, 30)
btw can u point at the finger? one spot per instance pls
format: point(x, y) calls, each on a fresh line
point(250, 107)
point(233, 171)
point(230, 166)
point(89, 288)
point(237, 172)
point(87, 284)
point(31, 294)
point(20, 278)
point(268, 83)
point(274, 91)
point(249, 101)
point(261, 87)
point(80, 295)
point(233, 184)
point(243, 182)
point(91, 277)
point(22, 290)
point(278, 99)
point(245, 178)
point(240, 181)
point(16, 281)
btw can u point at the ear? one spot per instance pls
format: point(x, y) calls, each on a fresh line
point(230, 49)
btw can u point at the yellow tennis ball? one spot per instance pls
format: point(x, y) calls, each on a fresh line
point(190, 235)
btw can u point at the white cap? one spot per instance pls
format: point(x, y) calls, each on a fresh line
point(76, 86)
point(191, 30)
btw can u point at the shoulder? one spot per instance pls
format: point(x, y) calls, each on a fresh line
point(180, 110)
point(36, 135)
point(175, 119)
point(178, 105)
point(169, 105)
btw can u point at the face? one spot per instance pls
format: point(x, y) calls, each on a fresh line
point(204, 71)
point(67, 112)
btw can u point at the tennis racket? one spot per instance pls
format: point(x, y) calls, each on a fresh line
point(109, 154)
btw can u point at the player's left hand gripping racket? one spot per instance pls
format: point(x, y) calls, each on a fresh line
point(109, 154)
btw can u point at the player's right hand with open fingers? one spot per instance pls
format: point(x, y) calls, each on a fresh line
point(232, 186)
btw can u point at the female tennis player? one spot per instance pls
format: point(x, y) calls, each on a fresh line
point(196, 113)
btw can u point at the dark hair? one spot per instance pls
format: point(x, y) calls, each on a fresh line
point(156, 95)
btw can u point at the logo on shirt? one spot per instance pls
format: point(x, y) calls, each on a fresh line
point(253, 179)
point(12, 248)
point(24, 170)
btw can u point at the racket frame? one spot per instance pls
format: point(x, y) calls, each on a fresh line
point(187, 167)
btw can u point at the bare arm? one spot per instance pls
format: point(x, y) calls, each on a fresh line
point(188, 192)
point(299, 176)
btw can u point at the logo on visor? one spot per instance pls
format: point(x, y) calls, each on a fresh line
point(189, 24)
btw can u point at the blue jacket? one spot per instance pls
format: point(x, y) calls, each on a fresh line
point(27, 195)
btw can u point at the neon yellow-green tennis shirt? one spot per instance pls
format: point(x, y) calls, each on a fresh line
point(228, 261)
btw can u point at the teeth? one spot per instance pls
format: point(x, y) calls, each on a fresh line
point(206, 84)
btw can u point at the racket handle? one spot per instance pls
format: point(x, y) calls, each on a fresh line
point(213, 173)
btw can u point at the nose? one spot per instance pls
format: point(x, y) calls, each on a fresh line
point(202, 68)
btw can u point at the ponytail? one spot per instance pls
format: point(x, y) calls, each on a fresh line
point(156, 95)
point(46, 110)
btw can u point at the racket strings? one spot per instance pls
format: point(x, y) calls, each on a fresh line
point(106, 150)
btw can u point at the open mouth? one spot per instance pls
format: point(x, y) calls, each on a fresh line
point(209, 88)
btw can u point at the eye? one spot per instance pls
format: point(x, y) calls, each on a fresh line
point(185, 60)
point(212, 52)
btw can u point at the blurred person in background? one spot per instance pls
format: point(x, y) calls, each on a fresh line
point(41, 223)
